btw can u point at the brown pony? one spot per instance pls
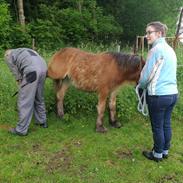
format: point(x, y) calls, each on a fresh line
point(102, 73)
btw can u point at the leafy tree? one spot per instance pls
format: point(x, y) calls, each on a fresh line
point(133, 15)
point(54, 23)
point(73, 25)
point(19, 37)
point(5, 19)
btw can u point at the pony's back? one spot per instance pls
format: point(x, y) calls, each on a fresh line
point(61, 62)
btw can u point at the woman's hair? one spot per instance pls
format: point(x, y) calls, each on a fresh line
point(159, 27)
point(7, 54)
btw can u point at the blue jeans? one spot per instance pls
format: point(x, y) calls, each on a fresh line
point(160, 109)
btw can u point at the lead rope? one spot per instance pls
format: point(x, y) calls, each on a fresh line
point(142, 104)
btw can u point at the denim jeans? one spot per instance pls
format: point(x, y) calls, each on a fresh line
point(160, 109)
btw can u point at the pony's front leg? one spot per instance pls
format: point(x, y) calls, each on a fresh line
point(112, 111)
point(100, 109)
point(60, 99)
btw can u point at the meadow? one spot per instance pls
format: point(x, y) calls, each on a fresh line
point(70, 151)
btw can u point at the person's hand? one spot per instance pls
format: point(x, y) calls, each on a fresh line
point(19, 82)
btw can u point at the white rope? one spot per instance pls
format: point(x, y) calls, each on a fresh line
point(142, 104)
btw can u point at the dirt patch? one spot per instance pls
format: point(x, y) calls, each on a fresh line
point(60, 161)
point(36, 147)
point(123, 154)
point(5, 127)
point(63, 159)
point(110, 163)
point(168, 178)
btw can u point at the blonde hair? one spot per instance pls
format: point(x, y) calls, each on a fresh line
point(160, 27)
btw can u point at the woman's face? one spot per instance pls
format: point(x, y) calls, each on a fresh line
point(152, 34)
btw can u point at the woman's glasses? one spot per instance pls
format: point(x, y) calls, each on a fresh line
point(150, 32)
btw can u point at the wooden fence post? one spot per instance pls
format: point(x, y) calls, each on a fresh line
point(33, 44)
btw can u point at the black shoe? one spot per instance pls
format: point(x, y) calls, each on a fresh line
point(165, 156)
point(150, 156)
point(115, 124)
point(14, 132)
point(44, 125)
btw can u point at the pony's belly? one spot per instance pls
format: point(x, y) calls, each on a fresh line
point(86, 85)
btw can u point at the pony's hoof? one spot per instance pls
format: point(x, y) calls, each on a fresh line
point(115, 124)
point(101, 129)
point(60, 115)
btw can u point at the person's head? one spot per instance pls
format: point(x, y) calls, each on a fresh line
point(155, 30)
point(7, 54)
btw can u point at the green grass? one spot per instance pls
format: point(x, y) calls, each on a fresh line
point(70, 151)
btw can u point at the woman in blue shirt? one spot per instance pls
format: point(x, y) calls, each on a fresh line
point(159, 78)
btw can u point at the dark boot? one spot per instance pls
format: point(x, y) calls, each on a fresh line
point(44, 125)
point(14, 132)
point(150, 156)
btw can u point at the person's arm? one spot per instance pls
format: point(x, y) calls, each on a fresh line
point(13, 68)
point(154, 60)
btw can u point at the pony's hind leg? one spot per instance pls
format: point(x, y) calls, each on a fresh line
point(60, 97)
point(101, 108)
point(112, 111)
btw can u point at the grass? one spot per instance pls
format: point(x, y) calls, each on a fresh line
point(70, 151)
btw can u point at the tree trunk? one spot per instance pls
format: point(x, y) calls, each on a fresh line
point(21, 13)
point(79, 5)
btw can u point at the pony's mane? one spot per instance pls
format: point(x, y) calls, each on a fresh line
point(125, 60)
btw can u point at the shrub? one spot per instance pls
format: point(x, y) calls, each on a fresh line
point(48, 35)
point(5, 25)
point(77, 101)
point(19, 37)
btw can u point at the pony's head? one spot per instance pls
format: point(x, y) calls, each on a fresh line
point(130, 65)
point(137, 66)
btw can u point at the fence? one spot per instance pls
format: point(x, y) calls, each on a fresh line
point(142, 46)
point(141, 43)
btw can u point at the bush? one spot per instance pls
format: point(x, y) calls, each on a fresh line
point(5, 25)
point(77, 101)
point(56, 27)
point(11, 34)
point(48, 35)
point(20, 37)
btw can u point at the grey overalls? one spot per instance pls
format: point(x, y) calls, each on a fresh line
point(22, 62)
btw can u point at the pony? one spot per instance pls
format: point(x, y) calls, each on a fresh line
point(103, 73)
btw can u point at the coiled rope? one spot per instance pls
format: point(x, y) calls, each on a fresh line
point(142, 104)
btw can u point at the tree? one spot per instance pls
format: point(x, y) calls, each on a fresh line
point(79, 21)
point(5, 20)
point(21, 13)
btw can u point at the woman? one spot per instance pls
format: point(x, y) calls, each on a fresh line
point(159, 78)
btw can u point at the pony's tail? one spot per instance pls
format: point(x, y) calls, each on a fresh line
point(57, 84)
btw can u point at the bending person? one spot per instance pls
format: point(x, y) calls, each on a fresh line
point(29, 69)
